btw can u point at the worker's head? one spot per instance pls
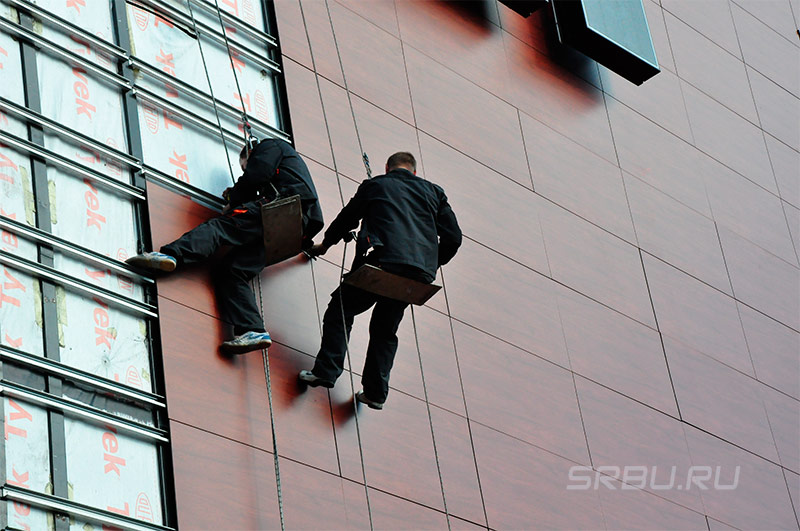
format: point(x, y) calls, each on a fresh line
point(402, 159)
point(248, 148)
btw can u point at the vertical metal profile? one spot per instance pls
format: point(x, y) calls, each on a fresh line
point(55, 420)
point(278, 80)
point(142, 219)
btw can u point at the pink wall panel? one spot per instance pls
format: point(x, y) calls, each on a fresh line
point(221, 483)
point(720, 400)
point(546, 414)
point(616, 351)
point(593, 211)
point(617, 438)
point(524, 487)
point(698, 315)
point(572, 176)
point(677, 234)
point(389, 89)
point(760, 499)
point(490, 208)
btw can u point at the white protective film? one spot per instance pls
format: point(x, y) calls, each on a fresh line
point(27, 457)
point(20, 294)
point(113, 471)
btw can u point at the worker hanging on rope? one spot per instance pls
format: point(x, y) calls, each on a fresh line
point(407, 228)
point(272, 169)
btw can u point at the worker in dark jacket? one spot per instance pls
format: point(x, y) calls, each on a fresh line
point(272, 169)
point(407, 228)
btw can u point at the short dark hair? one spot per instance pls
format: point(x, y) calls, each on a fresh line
point(249, 146)
point(402, 158)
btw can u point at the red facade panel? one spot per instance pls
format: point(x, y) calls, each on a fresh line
point(625, 295)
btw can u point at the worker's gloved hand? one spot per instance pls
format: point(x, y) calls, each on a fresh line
point(226, 194)
point(227, 208)
point(316, 250)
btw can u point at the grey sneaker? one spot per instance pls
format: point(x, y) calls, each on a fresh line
point(361, 397)
point(153, 260)
point(247, 342)
point(308, 377)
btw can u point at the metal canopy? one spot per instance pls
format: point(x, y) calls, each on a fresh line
point(376, 280)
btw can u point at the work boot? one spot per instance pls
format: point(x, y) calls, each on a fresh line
point(361, 397)
point(308, 377)
point(153, 260)
point(246, 342)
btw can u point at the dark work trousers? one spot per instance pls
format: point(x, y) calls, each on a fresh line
point(242, 229)
point(383, 325)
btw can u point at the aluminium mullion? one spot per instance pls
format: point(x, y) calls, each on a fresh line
point(67, 247)
point(63, 162)
point(63, 53)
point(74, 408)
point(79, 376)
point(32, 8)
point(239, 24)
point(56, 431)
point(42, 121)
point(198, 94)
point(53, 275)
point(133, 131)
point(73, 508)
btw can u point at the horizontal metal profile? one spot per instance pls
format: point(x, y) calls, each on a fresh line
point(145, 94)
point(59, 505)
point(239, 24)
point(201, 196)
point(41, 271)
point(201, 96)
point(44, 122)
point(59, 160)
point(255, 56)
point(63, 53)
point(71, 374)
point(76, 409)
point(67, 247)
point(55, 20)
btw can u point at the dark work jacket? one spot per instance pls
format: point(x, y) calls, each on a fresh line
point(275, 161)
point(404, 218)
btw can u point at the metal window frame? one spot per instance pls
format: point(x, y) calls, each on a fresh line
point(61, 505)
point(31, 116)
point(73, 408)
point(197, 194)
point(77, 285)
point(208, 31)
point(83, 378)
point(50, 156)
point(152, 71)
point(43, 14)
point(239, 24)
point(58, 50)
point(69, 248)
point(148, 96)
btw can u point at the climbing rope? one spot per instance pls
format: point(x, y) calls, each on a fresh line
point(344, 253)
point(245, 120)
point(264, 353)
point(416, 337)
point(265, 358)
point(211, 89)
point(430, 417)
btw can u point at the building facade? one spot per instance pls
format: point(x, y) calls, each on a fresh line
point(616, 345)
